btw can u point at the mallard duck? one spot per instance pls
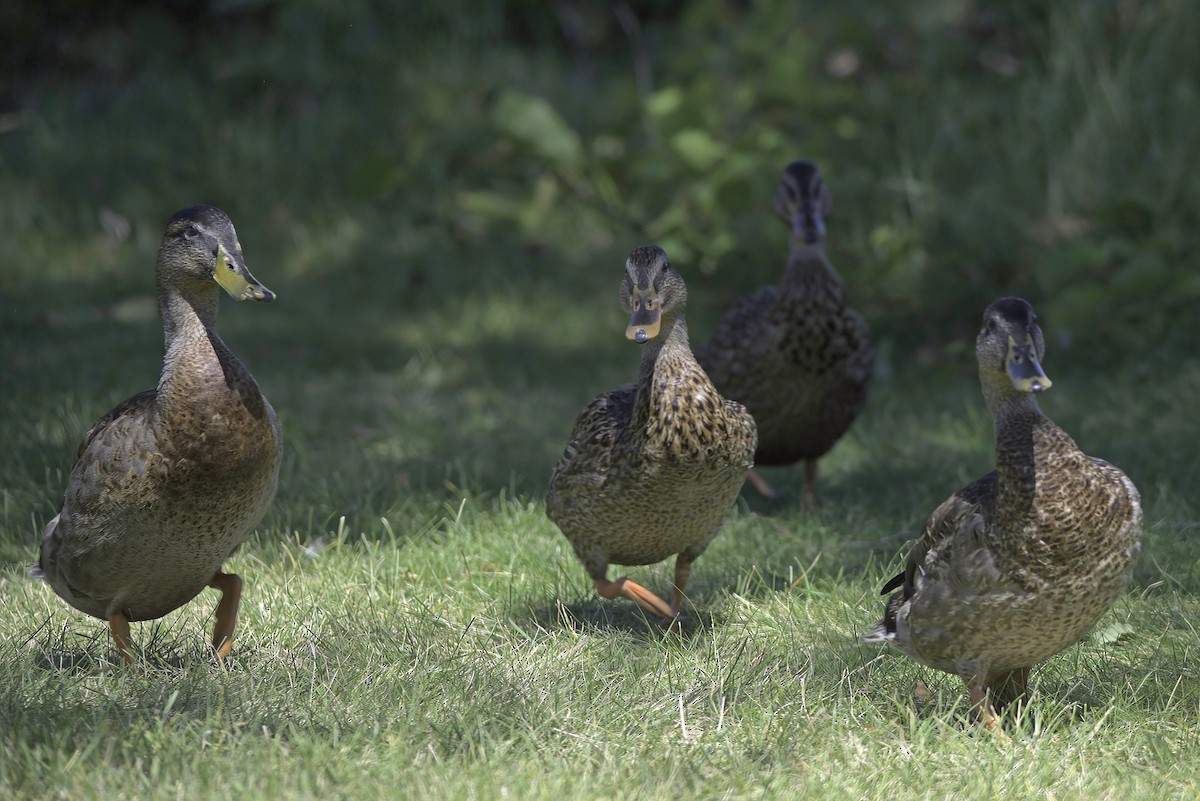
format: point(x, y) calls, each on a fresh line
point(1015, 567)
point(795, 354)
point(651, 469)
point(169, 483)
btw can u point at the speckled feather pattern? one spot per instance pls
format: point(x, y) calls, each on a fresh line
point(797, 357)
point(170, 482)
point(1008, 573)
point(651, 470)
point(1019, 565)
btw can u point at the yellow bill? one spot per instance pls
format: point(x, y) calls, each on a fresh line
point(235, 279)
point(1024, 370)
point(645, 320)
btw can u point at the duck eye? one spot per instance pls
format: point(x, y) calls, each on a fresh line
point(191, 232)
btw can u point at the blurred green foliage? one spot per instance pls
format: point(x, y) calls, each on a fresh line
point(973, 148)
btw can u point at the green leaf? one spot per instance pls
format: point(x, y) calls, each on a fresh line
point(532, 121)
point(697, 148)
point(489, 204)
point(664, 101)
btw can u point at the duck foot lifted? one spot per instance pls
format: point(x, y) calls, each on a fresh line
point(624, 588)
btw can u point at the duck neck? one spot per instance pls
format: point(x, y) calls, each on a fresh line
point(185, 315)
point(1017, 419)
point(666, 360)
point(809, 277)
point(194, 352)
point(668, 349)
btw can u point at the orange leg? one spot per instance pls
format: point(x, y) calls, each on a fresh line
point(810, 482)
point(624, 588)
point(683, 571)
point(761, 486)
point(118, 624)
point(982, 707)
point(230, 585)
point(1009, 688)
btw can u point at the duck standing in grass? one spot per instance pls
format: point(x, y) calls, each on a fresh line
point(1016, 566)
point(168, 484)
point(795, 354)
point(652, 469)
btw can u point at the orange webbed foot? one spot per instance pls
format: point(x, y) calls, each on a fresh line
point(624, 588)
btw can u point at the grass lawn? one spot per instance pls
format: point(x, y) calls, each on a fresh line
point(431, 634)
point(413, 626)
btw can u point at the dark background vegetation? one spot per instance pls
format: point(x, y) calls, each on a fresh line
point(973, 147)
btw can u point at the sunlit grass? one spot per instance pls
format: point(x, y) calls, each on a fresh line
point(445, 638)
point(474, 657)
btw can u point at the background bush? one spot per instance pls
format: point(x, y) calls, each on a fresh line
point(973, 148)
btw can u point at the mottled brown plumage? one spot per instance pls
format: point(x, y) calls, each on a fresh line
point(651, 470)
point(1019, 565)
point(169, 483)
point(794, 354)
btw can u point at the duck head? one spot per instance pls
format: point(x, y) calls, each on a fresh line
point(1010, 347)
point(803, 201)
point(651, 293)
point(199, 246)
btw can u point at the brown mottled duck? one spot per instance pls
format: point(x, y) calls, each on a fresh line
point(652, 469)
point(794, 354)
point(169, 483)
point(1015, 567)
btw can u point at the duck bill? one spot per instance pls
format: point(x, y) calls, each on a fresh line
point(1024, 370)
point(646, 318)
point(235, 279)
point(808, 226)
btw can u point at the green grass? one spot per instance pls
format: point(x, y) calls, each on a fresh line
point(413, 625)
point(445, 641)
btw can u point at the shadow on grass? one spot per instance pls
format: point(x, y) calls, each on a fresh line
point(82, 646)
point(1058, 700)
point(88, 650)
point(60, 651)
point(599, 615)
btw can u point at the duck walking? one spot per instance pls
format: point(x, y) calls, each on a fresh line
point(795, 354)
point(651, 469)
point(1020, 564)
point(168, 484)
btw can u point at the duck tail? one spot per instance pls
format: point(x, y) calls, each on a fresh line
point(880, 633)
point(885, 630)
point(36, 570)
